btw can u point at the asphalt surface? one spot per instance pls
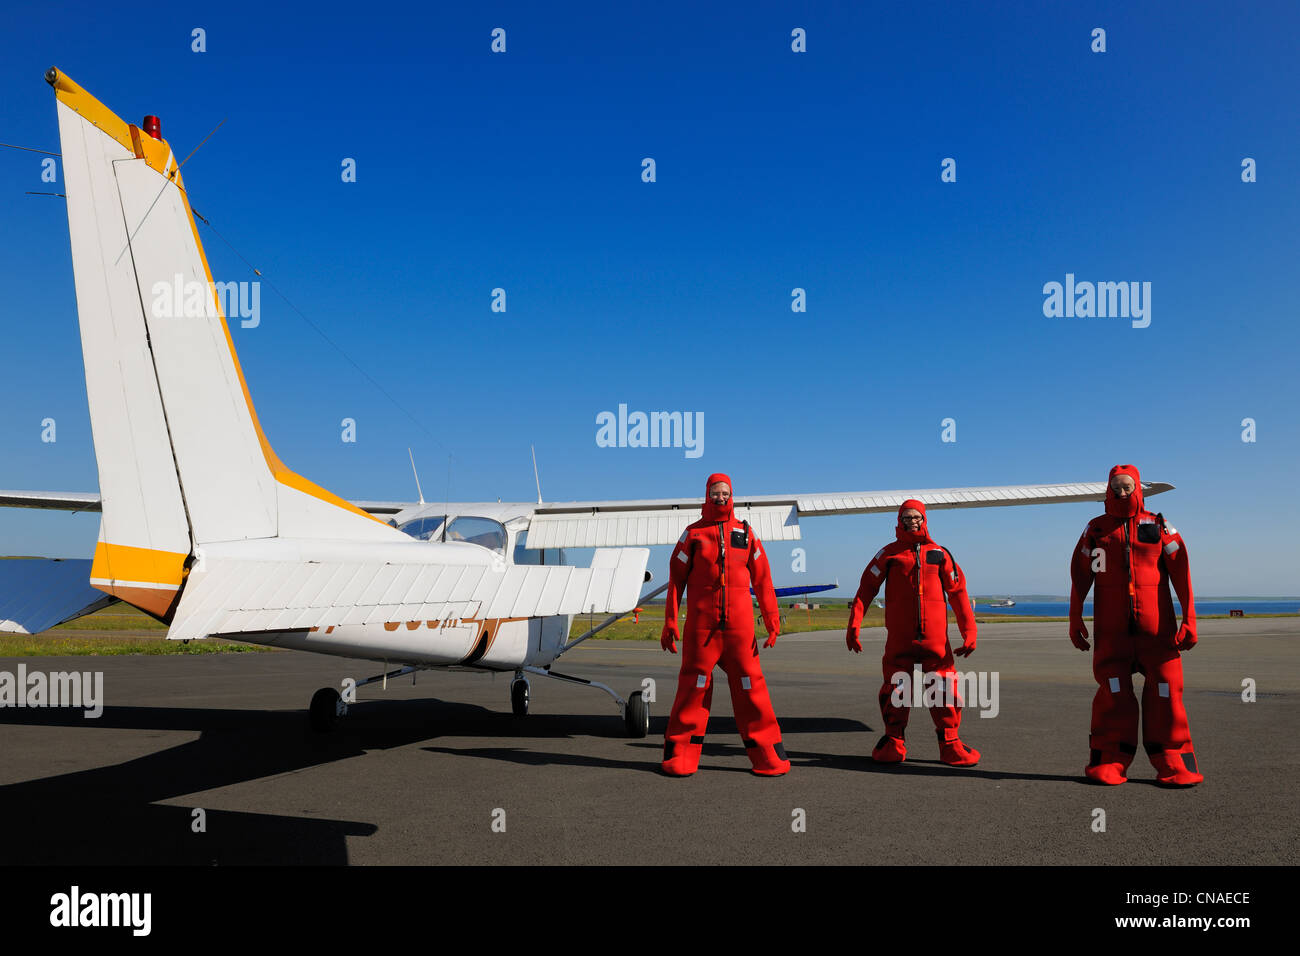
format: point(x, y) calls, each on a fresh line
point(420, 774)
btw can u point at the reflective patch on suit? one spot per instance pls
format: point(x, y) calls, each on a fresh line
point(1170, 529)
point(878, 554)
point(1163, 689)
point(1189, 761)
point(697, 738)
point(702, 680)
point(779, 747)
point(875, 571)
point(758, 552)
point(1114, 685)
point(1171, 547)
point(745, 683)
point(683, 537)
point(681, 556)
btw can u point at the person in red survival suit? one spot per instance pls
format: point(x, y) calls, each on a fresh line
point(917, 573)
point(716, 560)
point(1132, 555)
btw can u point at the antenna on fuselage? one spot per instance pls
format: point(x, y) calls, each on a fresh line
point(536, 477)
point(417, 476)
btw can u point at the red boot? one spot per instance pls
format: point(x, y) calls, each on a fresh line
point(681, 760)
point(767, 760)
point(1106, 768)
point(956, 754)
point(890, 750)
point(1174, 769)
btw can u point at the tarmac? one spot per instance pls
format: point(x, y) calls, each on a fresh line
point(440, 772)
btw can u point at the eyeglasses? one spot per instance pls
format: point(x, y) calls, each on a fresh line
point(909, 519)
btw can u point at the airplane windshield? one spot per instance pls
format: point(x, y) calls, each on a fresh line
point(481, 531)
point(423, 529)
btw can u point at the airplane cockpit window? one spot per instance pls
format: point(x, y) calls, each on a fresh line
point(481, 531)
point(541, 556)
point(522, 554)
point(423, 529)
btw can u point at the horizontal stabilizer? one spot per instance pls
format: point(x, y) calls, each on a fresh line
point(38, 593)
point(240, 596)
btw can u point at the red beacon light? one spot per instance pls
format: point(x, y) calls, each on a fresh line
point(153, 126)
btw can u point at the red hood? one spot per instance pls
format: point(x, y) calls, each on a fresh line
point(713, 512)
point(1124, 507)
point(913, 537)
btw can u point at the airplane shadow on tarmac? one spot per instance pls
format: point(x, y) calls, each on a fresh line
point(111, 816)
point(722, 739)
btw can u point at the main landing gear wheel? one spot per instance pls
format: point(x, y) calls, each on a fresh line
point(636, 716)
point(326, 709)
point(519, 696)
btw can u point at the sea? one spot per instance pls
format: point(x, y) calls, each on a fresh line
point(1062, 608)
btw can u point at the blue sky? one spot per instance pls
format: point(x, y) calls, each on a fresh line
point(775, 170)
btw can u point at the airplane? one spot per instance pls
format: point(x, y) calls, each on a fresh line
point(205, 529)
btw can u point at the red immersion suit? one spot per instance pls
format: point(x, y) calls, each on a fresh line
point(1132, 556)
point(716, 560)
point(916, 620)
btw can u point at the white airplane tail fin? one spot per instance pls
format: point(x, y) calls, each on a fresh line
point(182, 459)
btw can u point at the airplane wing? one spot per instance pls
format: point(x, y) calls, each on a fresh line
point(38, 593)
point(639, 523)
point(50, 500)
point(84, 501)
point(614, 524)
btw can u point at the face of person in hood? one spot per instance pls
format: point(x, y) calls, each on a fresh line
point(1124, 492)
point(717, 498)
point(720, 493)
point(911, 522)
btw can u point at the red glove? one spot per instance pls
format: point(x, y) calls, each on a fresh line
point(967, 646)
point(771, 638)
point(851, 639)
point(668, 637)
point(1185, 639)
point(1079, 635)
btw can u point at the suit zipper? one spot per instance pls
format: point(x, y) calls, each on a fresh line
point(920, 592)
point(1128, 566)
point(722, 564)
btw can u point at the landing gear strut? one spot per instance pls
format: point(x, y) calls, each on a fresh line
point(328, 707)
point(635, 710)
